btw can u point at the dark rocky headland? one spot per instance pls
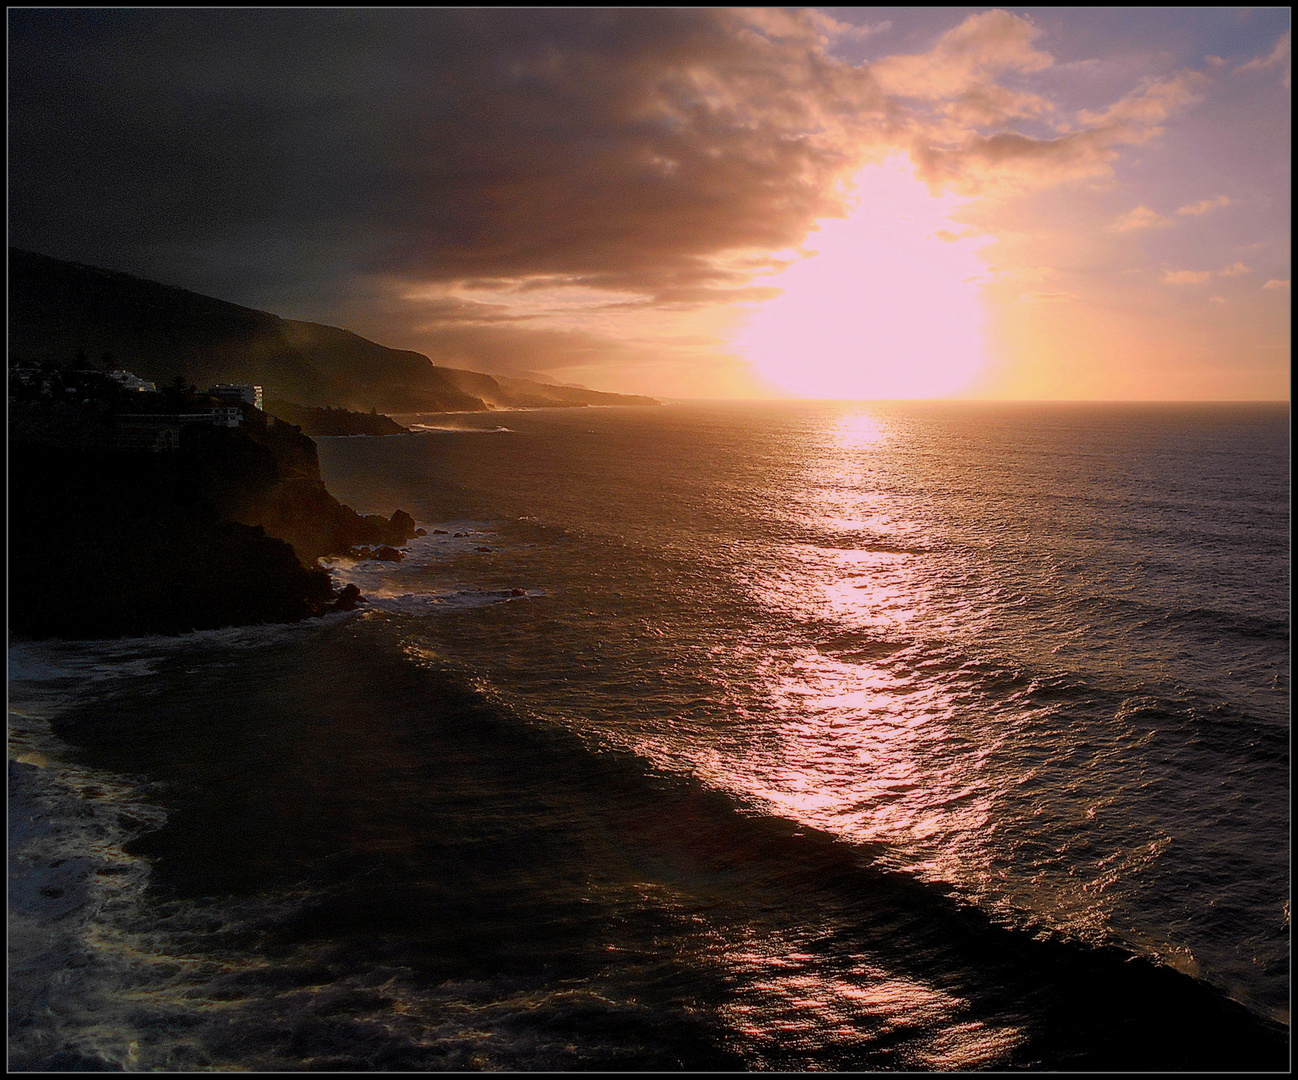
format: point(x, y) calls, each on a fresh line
point(333, 422)
point(122, 523)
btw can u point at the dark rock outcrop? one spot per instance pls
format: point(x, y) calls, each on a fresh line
point(331, 421)
point(271, 477)
point(348, 599)
point(224, 531)
point(110, 544)
point(404, 523)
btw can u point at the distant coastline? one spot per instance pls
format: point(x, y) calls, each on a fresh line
point(57, 308)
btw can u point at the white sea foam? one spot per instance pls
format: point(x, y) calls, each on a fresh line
point(365, 435)
point(72, 886)
point(407, 586)
point(458, 600)
point(460, 430)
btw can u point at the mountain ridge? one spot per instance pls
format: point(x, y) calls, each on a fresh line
point(59, 308)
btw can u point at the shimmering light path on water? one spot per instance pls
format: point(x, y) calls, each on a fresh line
point(991, 636)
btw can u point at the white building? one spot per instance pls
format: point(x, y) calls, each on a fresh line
point(245, 392)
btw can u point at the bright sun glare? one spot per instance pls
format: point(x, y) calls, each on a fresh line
point(887, 308)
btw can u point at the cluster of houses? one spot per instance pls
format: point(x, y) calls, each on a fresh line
point(154, 431)
point(161, 431)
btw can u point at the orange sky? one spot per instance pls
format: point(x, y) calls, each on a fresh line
point(1096, 270)
point(1013, 230)
point(1066, 203)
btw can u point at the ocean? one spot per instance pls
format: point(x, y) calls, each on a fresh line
point(715, 736)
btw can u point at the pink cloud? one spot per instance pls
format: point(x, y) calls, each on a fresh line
point(1278, 55)
point(1186, 277)
point(1008, 161)
point(1142, 217)
point(1203, 206)
point(1137, 115)
point(966, 57)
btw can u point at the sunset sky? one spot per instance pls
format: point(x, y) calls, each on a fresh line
point(846, 202)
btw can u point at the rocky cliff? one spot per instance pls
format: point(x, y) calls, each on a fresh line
point(223, 531)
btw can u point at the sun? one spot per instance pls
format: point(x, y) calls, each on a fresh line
point(888, 306)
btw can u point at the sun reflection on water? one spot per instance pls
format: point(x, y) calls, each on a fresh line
point(858, 430)
point(862, 740)
point(875, 721)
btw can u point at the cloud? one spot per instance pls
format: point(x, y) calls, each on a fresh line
point(631, 149)
point(1278, 55)
point(1142, 217)
point(831, 27)
point(965, 58)
point(1203, 206)
point(949, 237)
point(464, 179)
point(1277, 283)
point(1198, 277)
point(1010, 162)
point(957, 81)
point(637, 150)
point(1150, 105)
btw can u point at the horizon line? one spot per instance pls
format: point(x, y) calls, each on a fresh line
point(972, 401)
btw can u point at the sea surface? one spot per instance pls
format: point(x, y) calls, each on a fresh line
point(780, 736)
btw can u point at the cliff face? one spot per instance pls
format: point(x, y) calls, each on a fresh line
point(58, 308)
point(105, 544)
point(224, 531)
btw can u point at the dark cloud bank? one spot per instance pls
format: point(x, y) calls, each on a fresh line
point(324, 162)
point(389, 170)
